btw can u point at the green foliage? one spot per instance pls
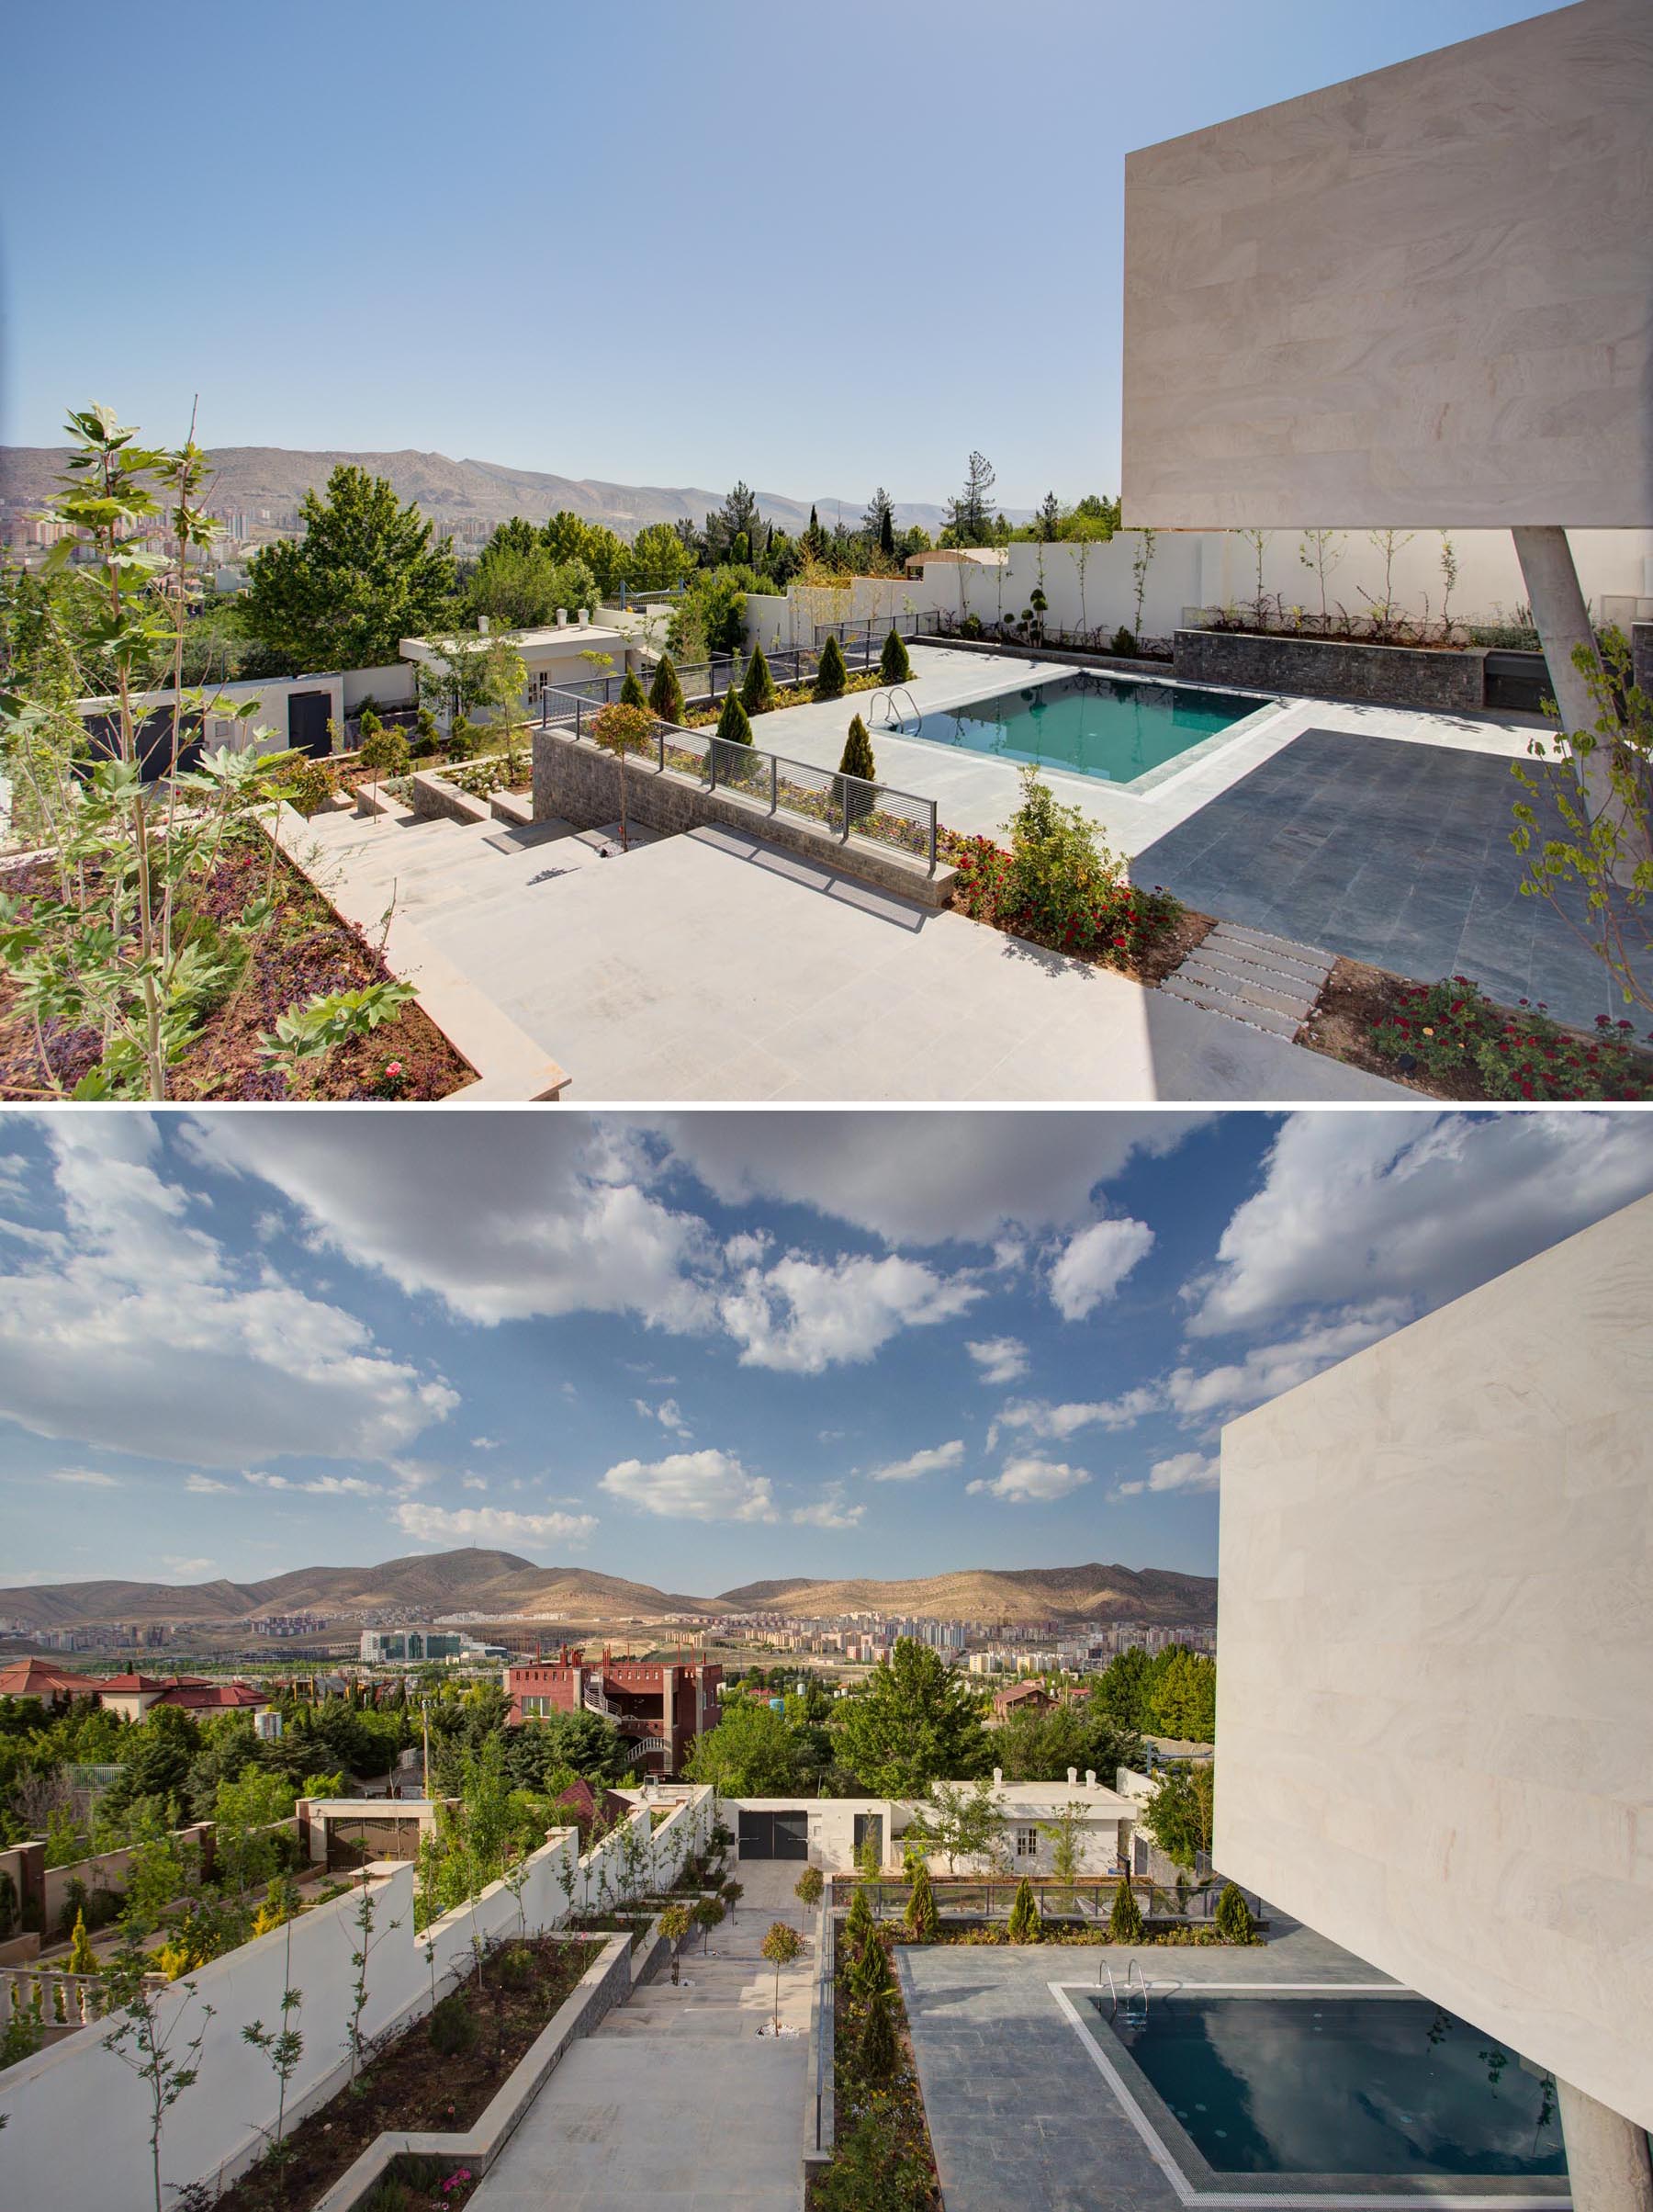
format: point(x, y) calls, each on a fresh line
point(522, 590)
point(1124, 642)
point(961, 1821)
point(1233, 1918)
point(1041, 1747)
point(859, 1927)
point(809, 1886)
point(1027, 1922)
point(752, 1752)
point(780, 1946)
point(710, 618)
point(363, 576)
point(757, 686)
point(332, 1019)
point(875, 2052)
point(666, 693)
point(923, 1921)
point(305, 784)
point(1461, 1037)
point(911, 1721)
point(708, 1912)
point(857, 759)
point(22, 2036)
point(895, 665)
point(83, 1960)
point(832, 672)
point(453, 2028)
point(385, 750)
point(675, 1923)
point(657, 559)
point(732, 726)
point(1178, 1815)
point(1125, 1918)
point(873, 2170)
point(632, 693)
point(622, 728)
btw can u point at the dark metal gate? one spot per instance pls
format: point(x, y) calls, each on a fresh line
point(307, 723)
point(774, 1835)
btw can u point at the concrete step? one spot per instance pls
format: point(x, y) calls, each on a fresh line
point(1236, 1009)
point(1242, 933)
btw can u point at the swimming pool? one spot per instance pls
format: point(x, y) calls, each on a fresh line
point(1120, 729)
point(1326, 2084)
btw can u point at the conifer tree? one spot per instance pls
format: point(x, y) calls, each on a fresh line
point(875, 2048)
point(758, 690)
point(83, 1960)
point(861, 1924)
point(1234, 1917)
point(666, 693)
point(922, 1922)
point(858, 754)
point(632, 693)
point(832, 675)
point(732, 726)
point(1125, 1921)
point(894, 666)
point(1026, 1924)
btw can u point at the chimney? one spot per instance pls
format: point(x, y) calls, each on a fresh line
point(1073, 1777)
point(1090, 1777)
point(482, 623)
point(999, 1777)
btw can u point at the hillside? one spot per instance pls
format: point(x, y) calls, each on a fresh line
point(1087, 1593)
point(255, 477)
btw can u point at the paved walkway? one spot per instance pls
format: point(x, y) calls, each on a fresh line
point(713, 965)
point(677, 2103)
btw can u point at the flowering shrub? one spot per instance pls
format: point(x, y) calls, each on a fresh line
point(1453, 1032)
point(1058, 883)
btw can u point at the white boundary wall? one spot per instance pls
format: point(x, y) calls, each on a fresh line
point(77, 2117)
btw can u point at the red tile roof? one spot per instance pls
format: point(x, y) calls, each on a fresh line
point(39, 1679)
point(207, 1697)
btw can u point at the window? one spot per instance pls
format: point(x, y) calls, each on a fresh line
point(1027, 1842)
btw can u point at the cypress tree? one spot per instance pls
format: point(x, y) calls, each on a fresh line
point(757, 689)
point(894, 666)
point(1026, 1926)
point(666, 693)
point(875, 2049)
point(632, 693)
point(1234, 1917)
point(869, 1977)
point(922, 1922)
point(832, 675)
point(858, 754)
point(732, 726)
point(861, 1924)
point(1125, 1921)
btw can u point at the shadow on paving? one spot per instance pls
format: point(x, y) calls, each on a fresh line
point(1396, 854)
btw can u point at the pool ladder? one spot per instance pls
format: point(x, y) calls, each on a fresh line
point(1130, 2006)
point(897, 690)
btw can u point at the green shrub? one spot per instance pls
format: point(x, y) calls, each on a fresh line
point(1124, 642)
point(367, 723)
point(875, 2045)
point(732, 726)
point(832, 674)
point(922, 1922)
point(453, 2030)
point(384, 750)
point(666, 693)
point(1125, 1921)
point(1233, 1918)
point(858, 754)
point(893, 665)
point(425, 732)
point(632, 693)
point(305, 784)
point(1455, 1033)
point(873, 2170)
point(757, 686)
point(1027, 1923)
point(463, 739)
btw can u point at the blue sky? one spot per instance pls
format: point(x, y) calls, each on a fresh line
point(700, 1348)
point(667, 244)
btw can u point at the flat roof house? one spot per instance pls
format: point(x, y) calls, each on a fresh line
point(660, 1706)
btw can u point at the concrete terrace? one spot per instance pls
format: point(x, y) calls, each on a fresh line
point(713, 965)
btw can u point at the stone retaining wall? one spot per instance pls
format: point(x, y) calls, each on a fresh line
point(435, 799)
point(575, 781)
point(1322, 668)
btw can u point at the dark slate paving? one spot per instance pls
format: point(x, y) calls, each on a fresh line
point(1396, 854)
point(1018, 2115)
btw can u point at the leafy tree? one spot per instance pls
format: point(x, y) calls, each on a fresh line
point(569, 537)
point(732, 726)
point(758, 687)
point(736, 519)
point(386, 751)
point(895, 665)
point(731, 1892)
point(832, 674)
point(1123, 1693)
point(675, 1923)
point(922, 1922)
point(1065, 1831)
point(1027, 1924)
point(1125, 1918)
point(809, 1886)
point(1234, 1923)
point(857, 759)
point(1185, 1696)
point(707, 1913)
point(752, 1752)
point(666, 693)
point(1178, 1815)
point(284, 2047)
point(657, 559)
point(912, 1721)
point(1041, 1747)
point(780, 1946)
point(364, 576)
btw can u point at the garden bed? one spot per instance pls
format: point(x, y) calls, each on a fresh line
point(305, 950)
point(1448, 1041)
point(883, 2159)
point(1145, 934)
point(408, 2088)
point(786, 695)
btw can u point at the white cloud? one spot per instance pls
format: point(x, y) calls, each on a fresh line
point(490, 1525)
point(484, 1443)
point(205, 1485)
point(90, 1476)
point(828, 1511)
point(1366, 1206)
point(1000, 1359)
point(1032, 1481)
point(937, 1460)
point(1268, 1368)
point(667, 1413)
point(1040, 1419)
point(1183, 1470)
point(922, 1178)
point(1095, 1263)
point(692, 1486)
point(187, 1570)
point(134, 1330)
point(321, 1485)
point(804, 1315)
point(473, 1482)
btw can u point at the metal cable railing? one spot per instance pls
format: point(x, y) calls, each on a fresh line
point(844, 806)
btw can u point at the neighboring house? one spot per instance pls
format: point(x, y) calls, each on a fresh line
point(37, 1678)
point(1146, 1858)
point(659, 1708)
point(565, 653)
point(1020, 1698)
point(587, 1805)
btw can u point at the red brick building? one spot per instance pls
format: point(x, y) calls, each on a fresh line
point(660, 1705)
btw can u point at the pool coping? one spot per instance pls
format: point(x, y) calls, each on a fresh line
point(1152, 780)
point(1160, 2131)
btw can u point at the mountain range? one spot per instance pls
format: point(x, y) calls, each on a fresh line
point(257, 477)
point(500, 1586)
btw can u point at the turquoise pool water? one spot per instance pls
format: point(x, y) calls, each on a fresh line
point(1338, 2085)
point(1117, 728)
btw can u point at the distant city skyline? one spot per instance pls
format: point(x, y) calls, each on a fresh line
point(731, 242)
point(700, 1350)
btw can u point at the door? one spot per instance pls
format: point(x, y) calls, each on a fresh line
point(307, 723)
point(154, 740)
point(774, 1835)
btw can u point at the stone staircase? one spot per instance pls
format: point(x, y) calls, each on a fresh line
point(1266, 982)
